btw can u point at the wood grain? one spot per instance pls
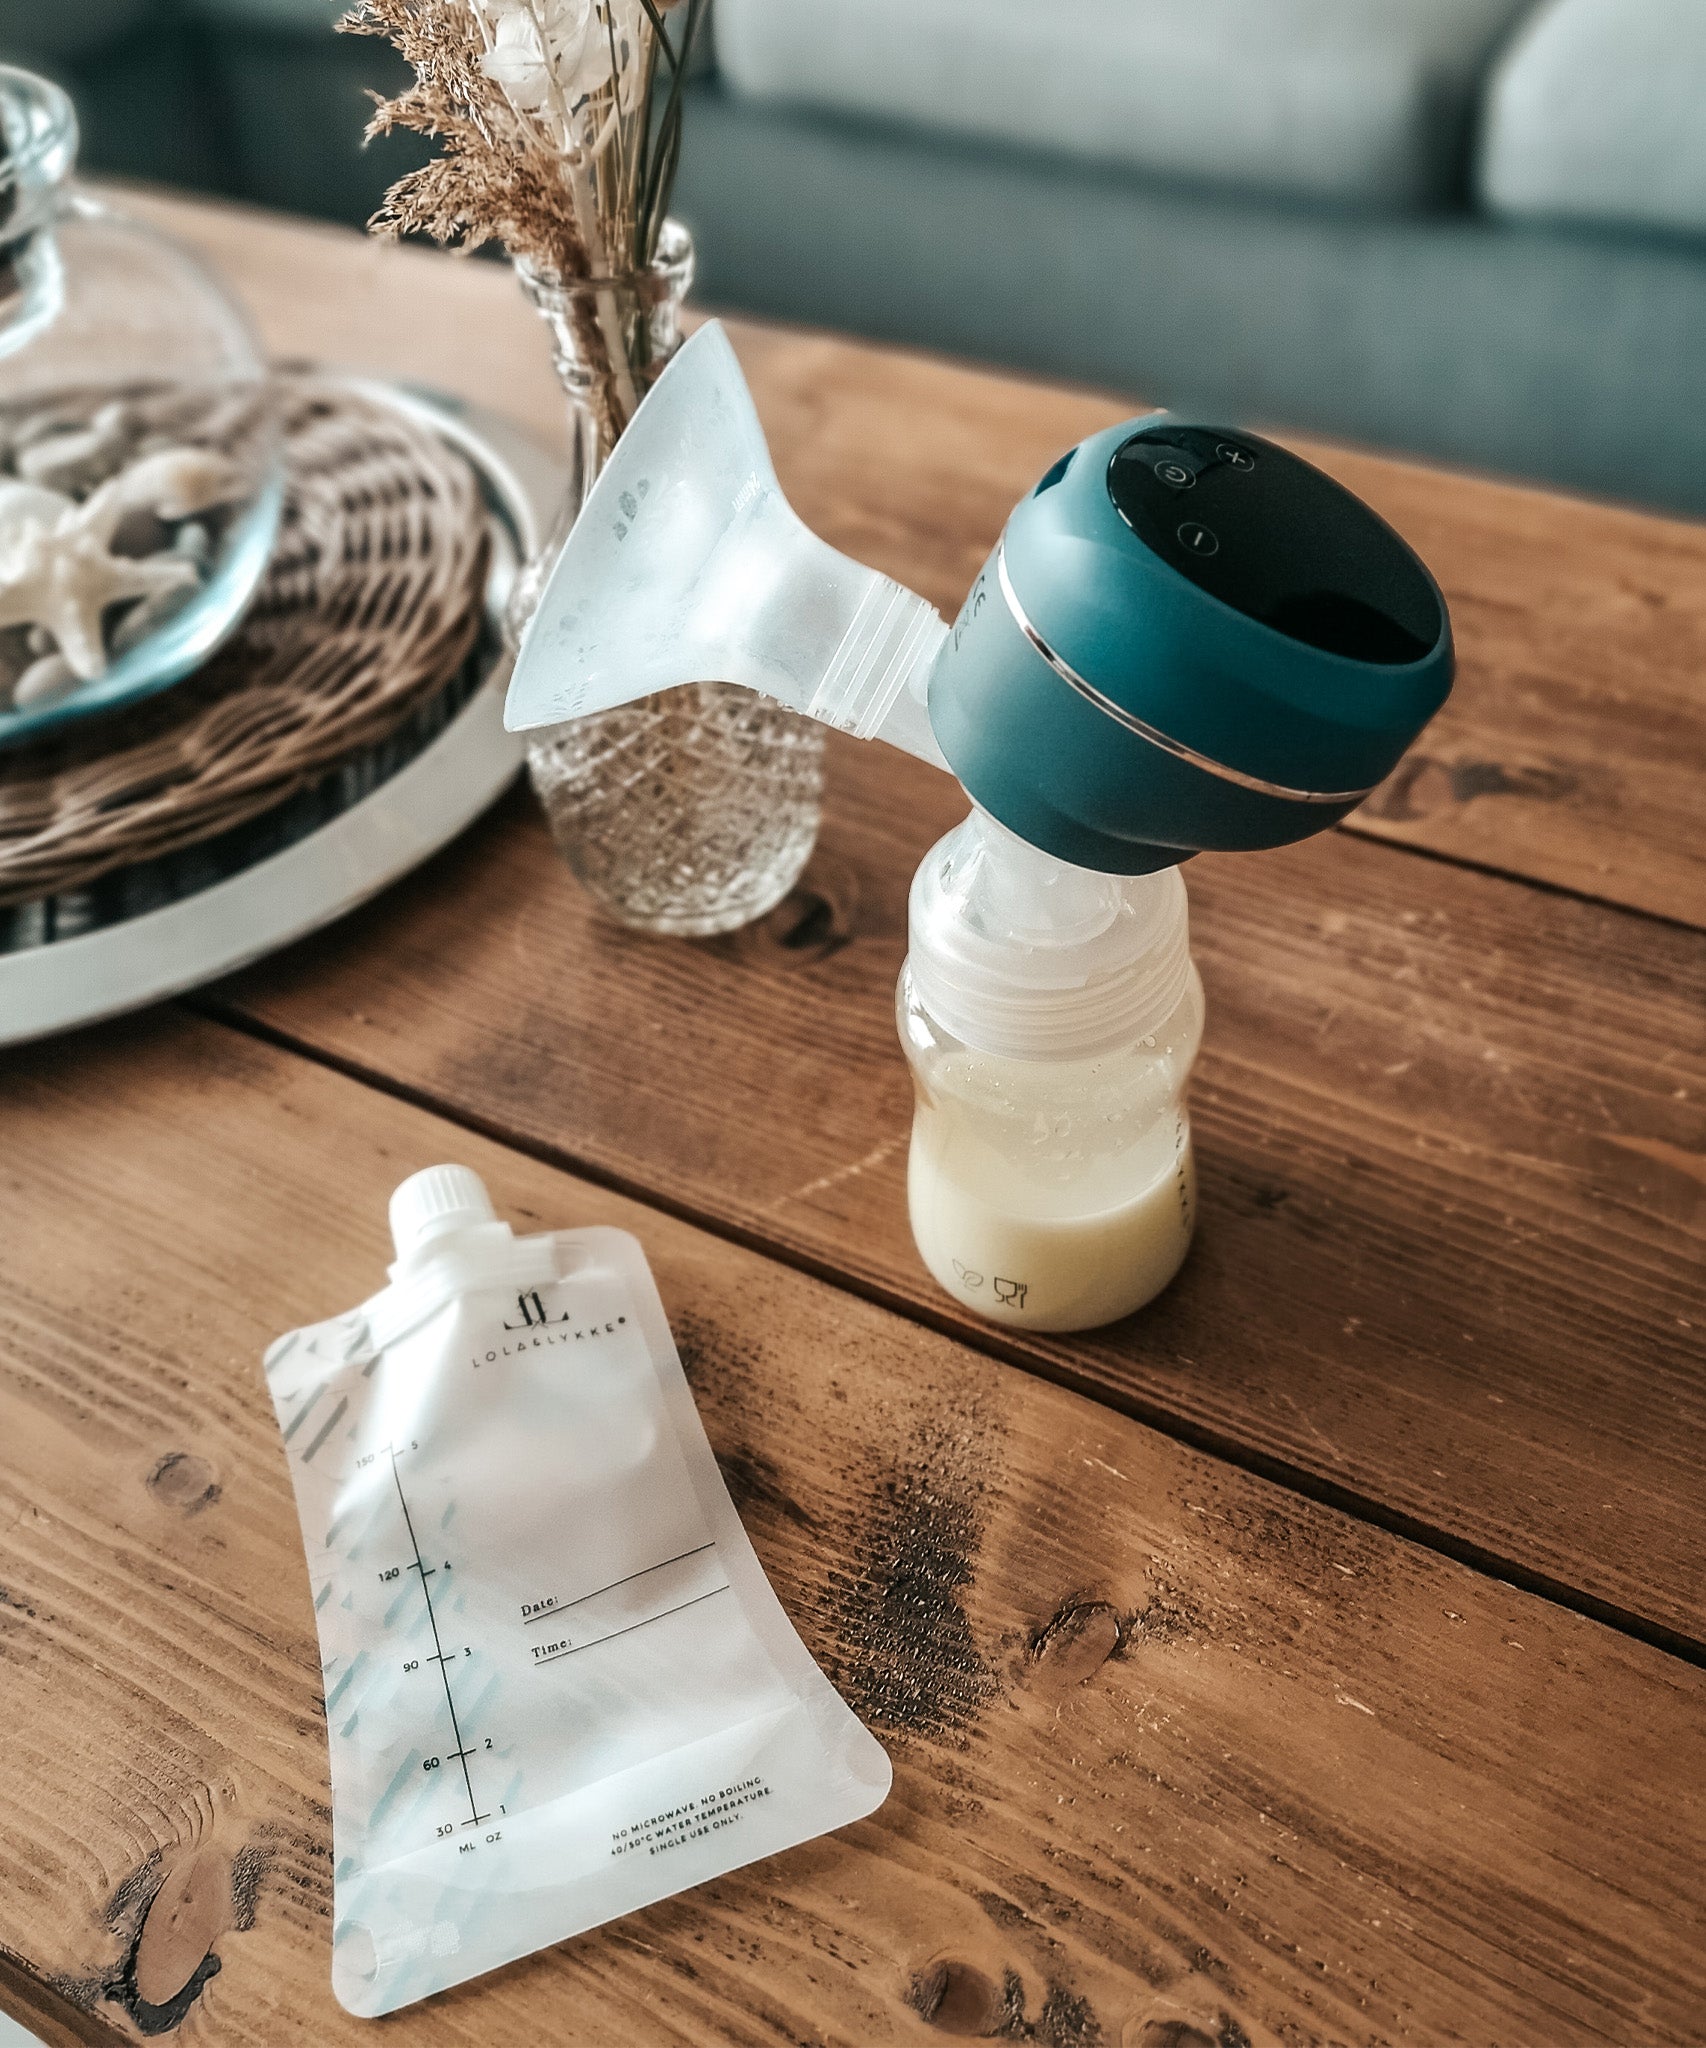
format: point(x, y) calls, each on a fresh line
point(1574, 749)
point(1183, 1761)
point(1451, 1131)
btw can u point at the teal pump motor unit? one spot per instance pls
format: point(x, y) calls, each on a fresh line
point(1210, 644)
point(1186, 638)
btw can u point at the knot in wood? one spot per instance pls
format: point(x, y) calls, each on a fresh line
point(1074, 1646)
point(173, 1957)
point(957, 1998)
point(182, 1480)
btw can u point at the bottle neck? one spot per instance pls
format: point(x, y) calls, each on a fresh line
point(611, 340)
point(611, 337)
point(1018, 954)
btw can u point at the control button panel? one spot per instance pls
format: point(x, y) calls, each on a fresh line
point(1262, 531)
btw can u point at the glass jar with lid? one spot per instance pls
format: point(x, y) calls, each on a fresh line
point(140, 472)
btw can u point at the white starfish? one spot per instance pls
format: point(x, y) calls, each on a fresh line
point(58, 571)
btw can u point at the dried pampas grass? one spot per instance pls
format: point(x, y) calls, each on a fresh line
point(560, 121)
point(560, 125)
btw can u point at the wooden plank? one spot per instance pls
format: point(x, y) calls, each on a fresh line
point(1183, 1761)
point(1452, 1136)
point(1573, 752)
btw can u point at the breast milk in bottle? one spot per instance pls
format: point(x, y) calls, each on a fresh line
point(1051, 1017)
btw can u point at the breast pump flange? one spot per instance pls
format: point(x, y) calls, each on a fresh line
point(1185, 639)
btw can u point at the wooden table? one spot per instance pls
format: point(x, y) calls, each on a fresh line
point(1315, 1659)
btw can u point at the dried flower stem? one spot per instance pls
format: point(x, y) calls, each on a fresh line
point(561, 152)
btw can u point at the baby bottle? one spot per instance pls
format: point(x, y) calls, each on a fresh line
point(1051, 1016)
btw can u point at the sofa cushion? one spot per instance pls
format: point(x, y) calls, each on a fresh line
point(33, 29)
point(1597, 112)
point(307, 17)
point(1367, 101)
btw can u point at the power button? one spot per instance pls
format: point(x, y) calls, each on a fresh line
point(1199, 539)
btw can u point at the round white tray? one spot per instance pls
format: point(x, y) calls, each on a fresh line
point(406, 819)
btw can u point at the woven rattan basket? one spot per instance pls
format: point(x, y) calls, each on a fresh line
point(369, 609)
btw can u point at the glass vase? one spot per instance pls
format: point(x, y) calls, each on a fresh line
point(692, 812)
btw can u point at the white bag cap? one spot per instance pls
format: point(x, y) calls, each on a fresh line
point(437, 1199)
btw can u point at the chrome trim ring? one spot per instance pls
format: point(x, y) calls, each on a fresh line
point(1143, 729)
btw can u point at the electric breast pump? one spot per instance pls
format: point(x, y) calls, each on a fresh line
point(1185, 639)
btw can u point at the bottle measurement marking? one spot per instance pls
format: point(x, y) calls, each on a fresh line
point(550, 1609)
point(460, 1752)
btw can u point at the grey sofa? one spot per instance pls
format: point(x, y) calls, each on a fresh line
point(1473, 229)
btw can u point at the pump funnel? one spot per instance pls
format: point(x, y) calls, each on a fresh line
point(687, 564)
point(1186, 637)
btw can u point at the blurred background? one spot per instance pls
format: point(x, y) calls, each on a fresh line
point(1468, 229)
